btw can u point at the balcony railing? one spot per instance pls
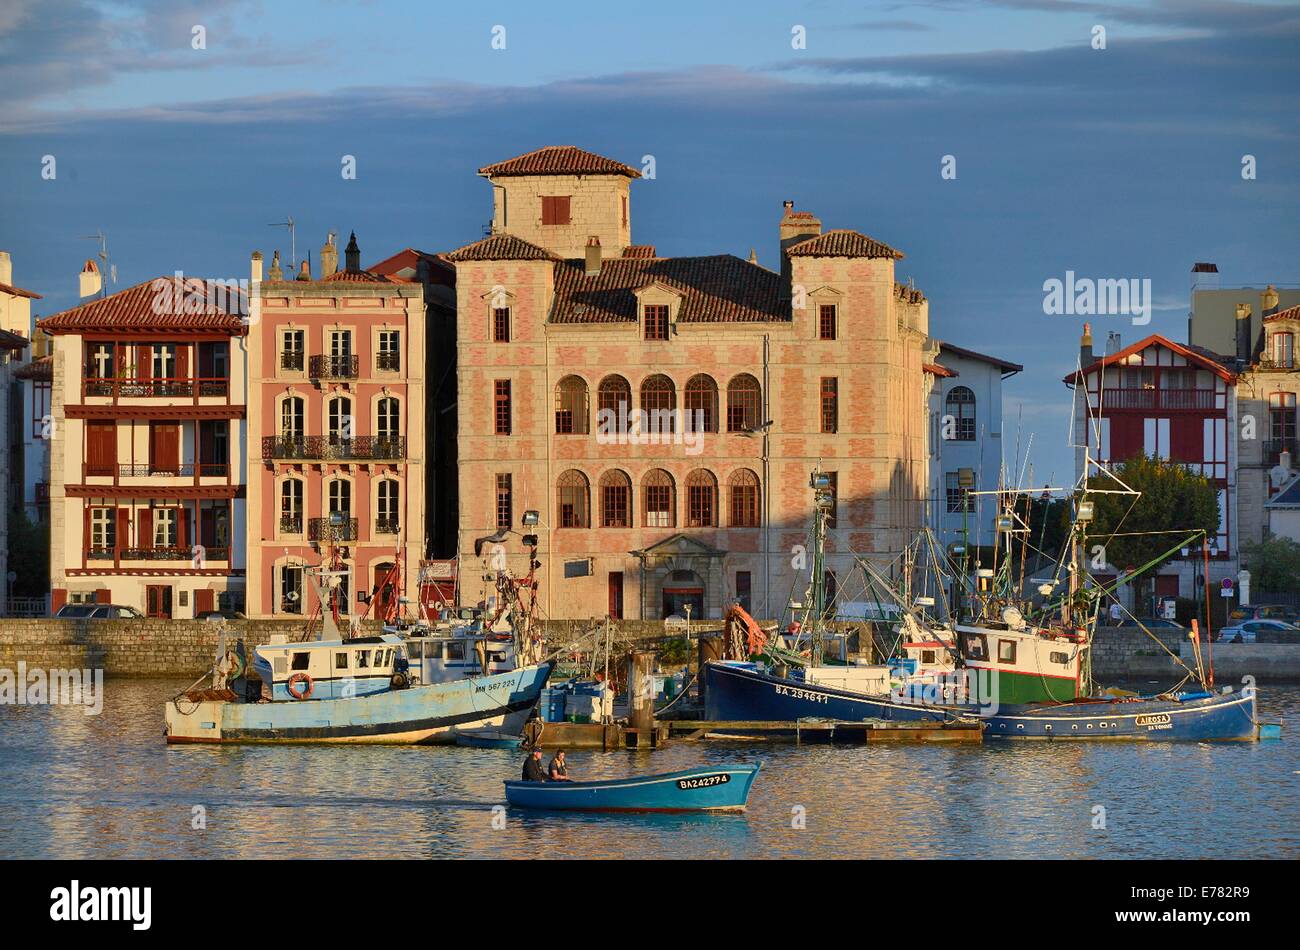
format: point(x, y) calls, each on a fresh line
point(334, 367)
point(389, 360)
point(157, 554)
point(99, 554)
point(386, 525)
point(145, 469)
point(145, 386)
point(1158, 399)
point(291, 524)
point(1273, 449)
point(291, 359)
point(1280, 364)
point(324, 529)
point(327, 447)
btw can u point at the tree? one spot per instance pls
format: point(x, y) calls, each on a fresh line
point(1274, 565)
point(1174, 504)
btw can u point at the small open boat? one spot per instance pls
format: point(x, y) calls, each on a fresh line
point(708, 788)
point(488, 739)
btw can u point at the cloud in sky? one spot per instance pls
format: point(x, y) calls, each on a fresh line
point(1116, 163)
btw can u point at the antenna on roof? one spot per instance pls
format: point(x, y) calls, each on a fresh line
point(108, 269)
point(293, 246)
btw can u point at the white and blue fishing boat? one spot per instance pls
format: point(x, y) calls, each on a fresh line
point(707, 788)
point(388, 688)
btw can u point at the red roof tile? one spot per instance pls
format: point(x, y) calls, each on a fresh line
point(12, 341)
point(41, 368)
point(639, 250)
point(135, 308)
point(13, 291)
point(1290, 313)
point(719, 289)
point(558, 160)
point(501, 247)
point(937, 370)
point(1197, 355)
point(910, 294)
point(843, 244)
point(357, 277)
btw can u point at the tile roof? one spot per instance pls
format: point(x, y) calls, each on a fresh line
point(134, 309)
point(501, 247)
point(558, 160)
point(718, 289)
point(13, 291)
point(357, 277)
point(842, 243)
point(910, 294)
point(1197, 355)
point(12, 341)
point(639, 250)
point(1287, 497)
point(41, 368)
point(1290, 313)
point(937, 370)
point(1004, 365)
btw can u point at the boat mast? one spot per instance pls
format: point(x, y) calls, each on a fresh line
point(820, 484)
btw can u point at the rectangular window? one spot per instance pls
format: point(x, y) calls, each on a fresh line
point(555, 209)
point(830, 404)
point(501, 406)
point(658, 506)
point(833, 517)
point(501, 325)
point(656, 322)
point(389, 356)
point(505, 501)
point(958, 496)
point(102, 529)
point(341, 660)
point(615, 505)
point(165, 524)
point(99, 360)
point(1006, 651)
point(699, 506)
point(826, 321)
point(293, 344)
point(1283, 350)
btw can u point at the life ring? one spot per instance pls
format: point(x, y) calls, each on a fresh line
point(295, 680)
point(399, 680)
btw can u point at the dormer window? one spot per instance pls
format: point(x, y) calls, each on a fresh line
point(1284, 350)
point(555, 209)
point(656, 321)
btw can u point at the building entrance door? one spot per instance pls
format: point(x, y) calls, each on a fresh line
point(683, 588)
point(158, 601)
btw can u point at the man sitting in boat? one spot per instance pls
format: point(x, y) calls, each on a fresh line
point(533, 767)
point(559, 768)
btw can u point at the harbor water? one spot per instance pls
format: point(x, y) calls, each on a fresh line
point(106, 786)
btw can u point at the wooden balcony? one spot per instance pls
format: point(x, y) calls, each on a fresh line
point(147, 387)
point(1172, 400)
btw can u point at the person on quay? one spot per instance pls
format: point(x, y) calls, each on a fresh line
point(533, 767)
point(559, 768)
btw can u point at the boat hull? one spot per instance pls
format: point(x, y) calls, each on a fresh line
point(419, 715)
point(488, 739)
point(719, 788)
point(736, 694)
point(1221, 717)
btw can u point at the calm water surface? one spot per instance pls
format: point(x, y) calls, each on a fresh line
point(76, 786)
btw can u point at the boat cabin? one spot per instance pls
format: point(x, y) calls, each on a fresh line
point(328, 669)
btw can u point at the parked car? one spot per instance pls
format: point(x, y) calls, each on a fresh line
point(1151, 623)
point(1244, 632)
point(1283, 612)
point(97, 612)
point(221, 615)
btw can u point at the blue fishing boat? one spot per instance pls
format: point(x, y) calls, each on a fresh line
point(1175, 717)
point(708, 788)
point(488, 739)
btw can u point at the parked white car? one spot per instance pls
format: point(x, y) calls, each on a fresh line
point(1244, 631)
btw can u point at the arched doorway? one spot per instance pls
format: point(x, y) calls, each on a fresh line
point(682, 588)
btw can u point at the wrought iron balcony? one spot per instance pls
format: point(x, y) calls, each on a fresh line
point(157, 554)
point(333, 448)
point(389, 360)
point(186, 470)
point(291, 524)
point(327, 529)
point(291, 359)
point(99, 554)
point(1273, 449)
point(386, 525)
point(334, 367)
point(1268, 361)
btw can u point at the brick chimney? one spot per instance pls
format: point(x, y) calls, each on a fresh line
point(1268, 301)
point(796, 226)
point(329, 257)
point(1243, 333)
point(255, 268)
point(90, 279)
point(304, 272)
point(352, 255)
point(6, 268)
point(593, 256)
point(276, 272)
point(1086, 358)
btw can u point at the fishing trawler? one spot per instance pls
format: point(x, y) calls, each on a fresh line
point(422, 686)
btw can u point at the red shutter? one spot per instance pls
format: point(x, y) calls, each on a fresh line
point(204, 600)
point(1126, 437)
point(182, 527)
point(143, 361)
point(182, 362)
point(1187, 439)
point(144, 529)
point(58, 597)
point(85, 530)
point(123, 529)
point(103, 595)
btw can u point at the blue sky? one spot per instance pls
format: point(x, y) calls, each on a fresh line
point(1122, 162)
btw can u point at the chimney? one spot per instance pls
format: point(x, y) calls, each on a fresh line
point(304, 272)
point(329, 257)
point(753, 256)
point(1243, 333)
point(1086, 358)
point(6, 268)
point(1268, 302)
point(255, 268)
point(1205, 276)
point(276, 272)
point(352, 255)
point(90, 279)
point(796, 226)
point(1284, 461)
point(593, 256)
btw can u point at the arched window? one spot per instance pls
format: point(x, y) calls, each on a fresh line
point(743, 485)
point(613, 405)
point(659, 499)
point(572, 500)
point(342, 424)
point(571, 406)
point(659, 404)
point(744, 404)
point(388, 422)
point(615, 500)
point(701, 499)
point(960, 405)
point(291, 419)
point(291, 495)
point(387, 516)
point(701, 404)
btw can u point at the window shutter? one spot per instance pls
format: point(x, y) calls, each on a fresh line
point(182, 369)
point(182, 527)
point(123, 533)
point(85, 527)
point(144, 532)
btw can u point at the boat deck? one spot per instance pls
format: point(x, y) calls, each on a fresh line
point(877, 730)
